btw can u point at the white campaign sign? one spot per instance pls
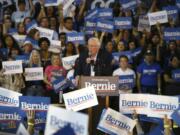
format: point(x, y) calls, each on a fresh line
point(55, 46)
point(116, 123)
point(130, 102)
point(45, 32)
point(156, 17)
point(22, 130)
point(9, 97)
point(12, 67)
point(33, 74)
point(80, 99)
point(144, 24)
point(58, 118)
point(68, 62)
point(147, 104)
point(161, 105)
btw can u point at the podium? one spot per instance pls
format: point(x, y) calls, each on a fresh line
point(105, 86)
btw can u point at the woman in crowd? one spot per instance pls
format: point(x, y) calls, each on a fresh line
point(44, 44)
point(10, 43)
point(34, 88)
point(34, 36)
point(53, 72)
point(70, 50)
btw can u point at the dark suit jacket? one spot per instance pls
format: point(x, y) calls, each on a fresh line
point(102, 67)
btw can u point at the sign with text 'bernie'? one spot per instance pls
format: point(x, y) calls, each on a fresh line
point(9, 119)
point(158, 17)
point(105, 13)
point(126, 82)
point(115, 123)
point(58, 118)
point(12, 67)
point(90, 24)
point(34, 74)
point(69, 62)
point(150, 105)
point(172, 11)
point(39, 105)
point(48, 33)
point(105, 26)
point(80, 99)
point(123, 23)
point(76, 37)
point(9, 97)
point(103, 85)
point(172, 33)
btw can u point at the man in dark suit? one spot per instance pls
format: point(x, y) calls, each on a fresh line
point(95, 61)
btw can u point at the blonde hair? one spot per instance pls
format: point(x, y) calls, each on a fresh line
point(31, 58)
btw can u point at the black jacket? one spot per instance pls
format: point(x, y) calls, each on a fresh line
point(102, 66)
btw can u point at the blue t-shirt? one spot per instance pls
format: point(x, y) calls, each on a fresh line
point(149, 73)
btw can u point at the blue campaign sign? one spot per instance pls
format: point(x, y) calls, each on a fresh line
point(10, 119)
point(128, 4)
point(176, 116)
point(105, 13)
point(76, 37)
point(172, 11)
point(61, 83)
point(105, 26)
point(24, 58)
point(176, 75)
point(31, 25)
point(126, 82)
point(12, 31)
point(90, 24)
point(123, 23)
point(39, 104)
point(92, 14)
point(172, 33)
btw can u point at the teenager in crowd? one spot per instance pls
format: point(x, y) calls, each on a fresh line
point(125, 71)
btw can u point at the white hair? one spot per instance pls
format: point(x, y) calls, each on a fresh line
point(96, 40)
point(30, 58)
